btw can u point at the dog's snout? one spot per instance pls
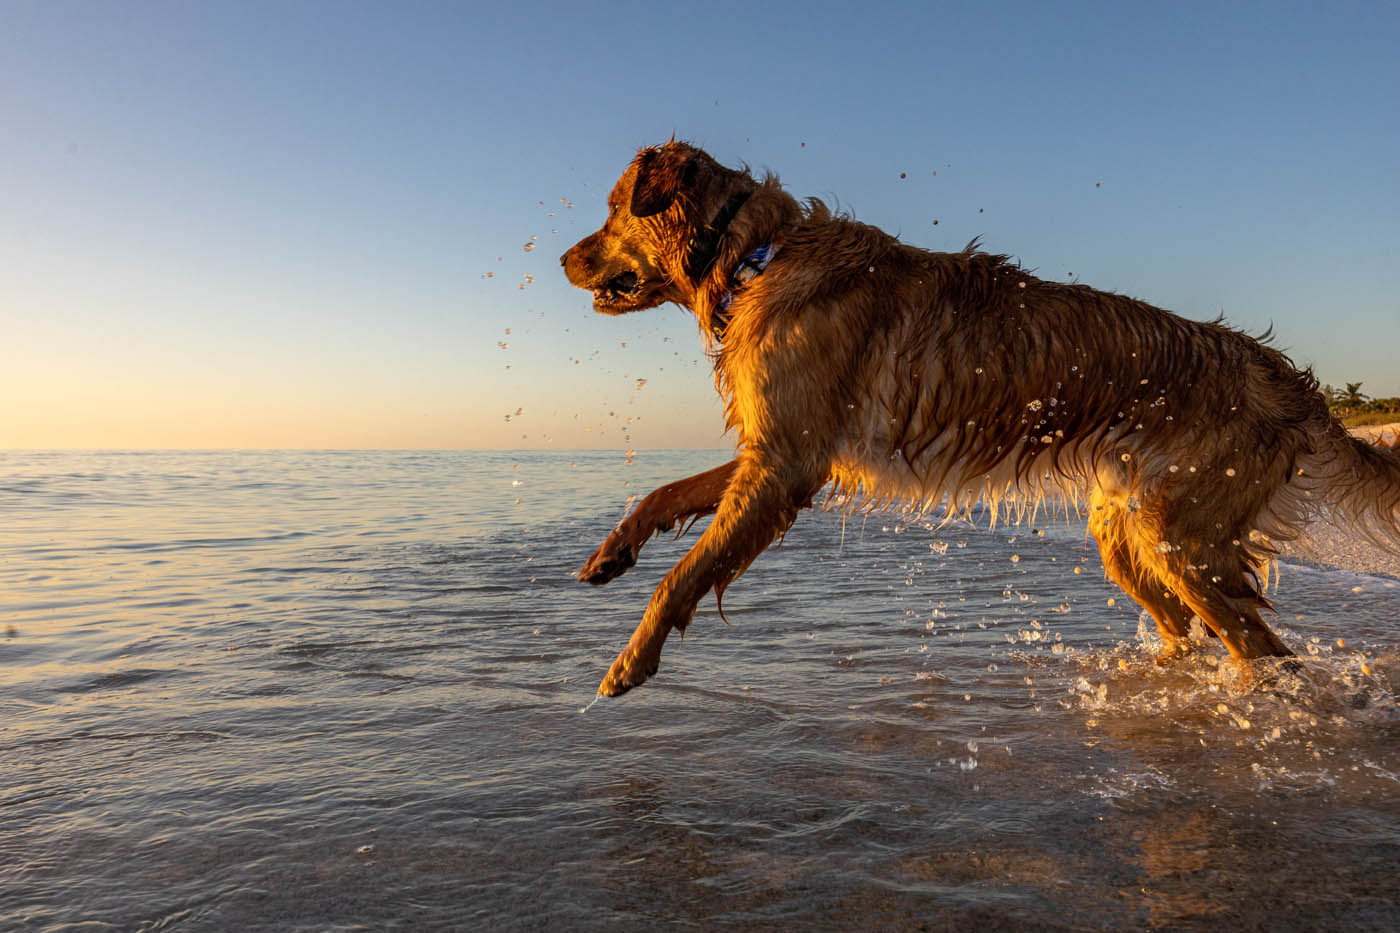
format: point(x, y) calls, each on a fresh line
point(579, 262)
point(575, 264)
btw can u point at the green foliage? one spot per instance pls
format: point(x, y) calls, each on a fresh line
point(1355, 408)
point(1362, 419)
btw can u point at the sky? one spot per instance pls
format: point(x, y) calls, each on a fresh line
point(338, 224)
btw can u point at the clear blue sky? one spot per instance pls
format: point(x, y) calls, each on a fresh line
point(272, 224)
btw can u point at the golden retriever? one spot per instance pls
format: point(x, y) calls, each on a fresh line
point(930, 379)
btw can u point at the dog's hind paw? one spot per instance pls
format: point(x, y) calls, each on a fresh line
point(608, 562)
point(1173, 649)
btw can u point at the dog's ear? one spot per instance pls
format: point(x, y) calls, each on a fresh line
point(661, 175)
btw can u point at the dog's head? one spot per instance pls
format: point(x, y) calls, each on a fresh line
point(659, 215)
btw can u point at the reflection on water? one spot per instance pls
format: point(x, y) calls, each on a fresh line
point(244, 690)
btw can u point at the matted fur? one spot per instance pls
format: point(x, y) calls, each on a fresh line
point(937, 380)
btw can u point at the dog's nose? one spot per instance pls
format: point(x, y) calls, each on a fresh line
point(564, 259)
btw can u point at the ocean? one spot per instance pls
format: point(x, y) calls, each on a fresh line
point(347, 690)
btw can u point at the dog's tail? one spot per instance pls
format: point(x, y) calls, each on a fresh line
point(1360, 483)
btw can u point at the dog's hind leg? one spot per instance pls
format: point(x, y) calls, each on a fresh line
point(1110, 525)
point(661, 510)
point(759, 503)
point(1220, 586)
point(1199, 556)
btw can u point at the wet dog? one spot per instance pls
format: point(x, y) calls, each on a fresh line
point(941, 380)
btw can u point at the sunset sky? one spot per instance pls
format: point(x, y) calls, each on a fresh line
point(306, 224)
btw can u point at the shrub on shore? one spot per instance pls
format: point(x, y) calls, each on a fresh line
point(1354, 408)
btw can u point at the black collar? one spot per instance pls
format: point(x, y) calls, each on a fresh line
point(703, 248)
point(751, 268)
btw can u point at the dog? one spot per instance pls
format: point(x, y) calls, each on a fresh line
point(895, 375)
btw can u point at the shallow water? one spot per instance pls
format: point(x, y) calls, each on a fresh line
point(339, 690)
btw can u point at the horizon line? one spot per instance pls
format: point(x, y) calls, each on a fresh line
point(347, 449)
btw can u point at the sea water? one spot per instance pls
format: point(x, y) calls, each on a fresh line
point(311, 690)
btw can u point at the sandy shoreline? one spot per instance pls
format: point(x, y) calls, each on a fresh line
point(1369, 431)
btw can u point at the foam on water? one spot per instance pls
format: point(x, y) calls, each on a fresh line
point(1295, 722)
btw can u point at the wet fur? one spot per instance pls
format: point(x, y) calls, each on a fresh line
point(938, 380)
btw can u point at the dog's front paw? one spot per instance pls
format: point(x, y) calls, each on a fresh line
point(628, 671)
point(612, 559)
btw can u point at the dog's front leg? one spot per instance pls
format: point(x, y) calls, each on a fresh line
point(759, 504)
point(660, 511)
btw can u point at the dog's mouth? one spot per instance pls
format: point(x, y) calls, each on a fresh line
point(619, 292)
